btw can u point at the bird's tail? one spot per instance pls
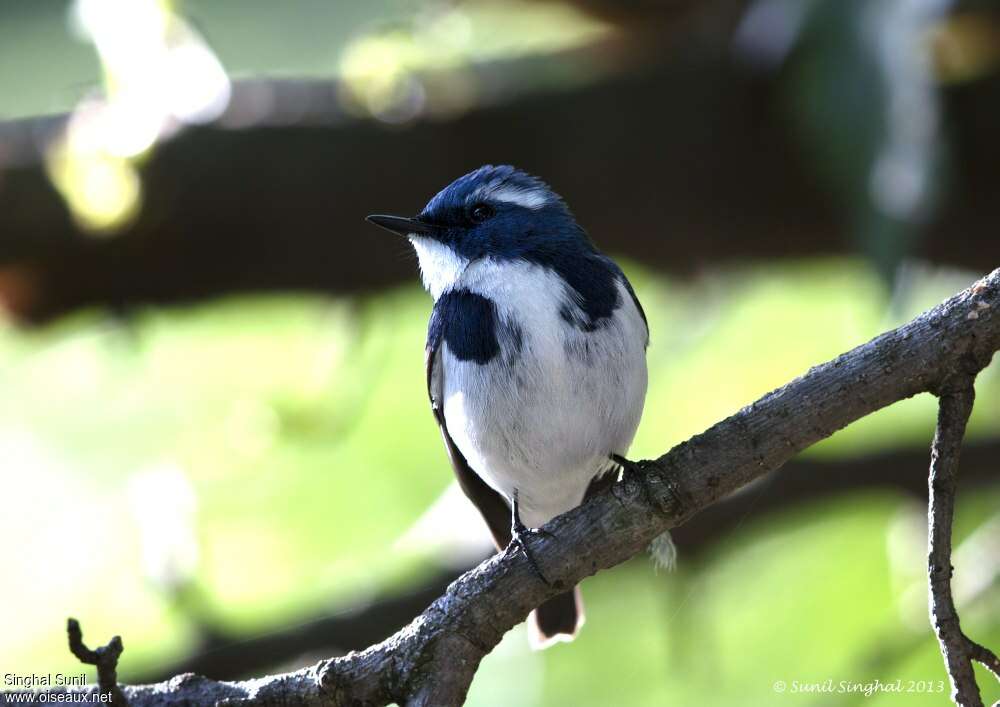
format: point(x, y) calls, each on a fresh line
point(557, 620)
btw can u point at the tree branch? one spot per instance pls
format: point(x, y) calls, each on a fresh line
point(224, 654)
point(958, 650)
point(433, 659)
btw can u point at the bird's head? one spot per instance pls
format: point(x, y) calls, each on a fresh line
point(492, 212)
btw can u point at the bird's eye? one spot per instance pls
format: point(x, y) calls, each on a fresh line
point(481, 212)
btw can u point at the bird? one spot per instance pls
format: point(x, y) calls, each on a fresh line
point(535, 358)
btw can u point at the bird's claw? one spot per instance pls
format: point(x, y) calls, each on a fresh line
point(519, 541)
point(639, 473)
point(628, 466)
point(519, 535)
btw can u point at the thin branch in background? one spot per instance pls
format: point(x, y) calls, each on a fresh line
point(104, 658)
point(958, 650)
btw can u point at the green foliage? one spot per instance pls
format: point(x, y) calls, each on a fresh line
point(300, 427)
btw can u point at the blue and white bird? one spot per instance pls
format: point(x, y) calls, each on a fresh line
point(536, 356)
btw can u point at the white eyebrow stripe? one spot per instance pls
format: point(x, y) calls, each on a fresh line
point(528, 198)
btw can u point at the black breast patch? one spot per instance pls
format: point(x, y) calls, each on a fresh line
point(468, 322)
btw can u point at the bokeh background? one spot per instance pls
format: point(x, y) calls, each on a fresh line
point(214, 435)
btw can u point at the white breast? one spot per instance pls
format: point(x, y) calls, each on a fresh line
point(543, 419)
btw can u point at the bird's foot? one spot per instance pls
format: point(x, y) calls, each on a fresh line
point(519, 540)
point(664, 493)
point(629, 467)
point(520, 535)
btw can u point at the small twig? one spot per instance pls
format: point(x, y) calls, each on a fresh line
point(104, 658)
point(984, 656)
point(958, 650)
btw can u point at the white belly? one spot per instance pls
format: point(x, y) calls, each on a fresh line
point(543, 416)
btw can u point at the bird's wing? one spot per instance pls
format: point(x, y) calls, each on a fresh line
point(638, 305)
point(491, 505)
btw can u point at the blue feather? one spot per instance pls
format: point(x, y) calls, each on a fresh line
point(548, 236)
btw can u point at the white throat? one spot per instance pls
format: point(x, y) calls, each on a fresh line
point(440, 266)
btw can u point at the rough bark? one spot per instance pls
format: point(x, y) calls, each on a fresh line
point(227, 655)
point(433, 659)
point(958, 650)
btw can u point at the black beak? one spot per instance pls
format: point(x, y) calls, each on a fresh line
point(400, 225)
